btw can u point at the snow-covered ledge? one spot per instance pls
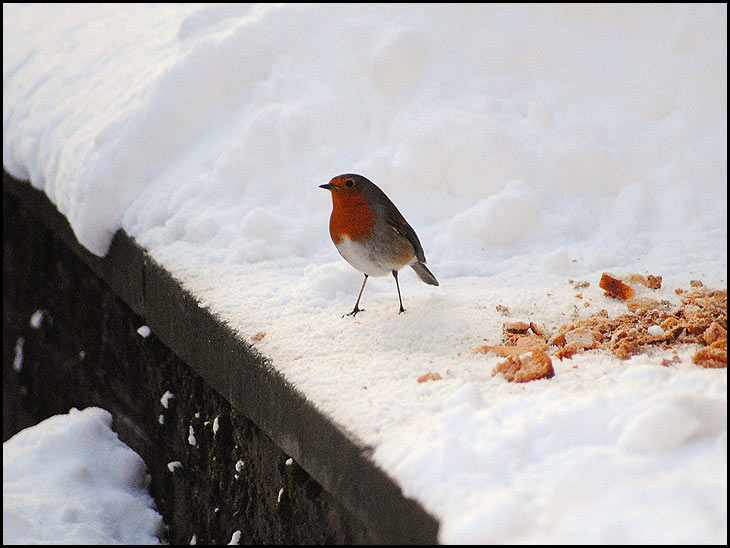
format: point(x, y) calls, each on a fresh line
point(242, 376)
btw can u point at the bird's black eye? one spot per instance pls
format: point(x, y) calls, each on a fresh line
point(349, 182)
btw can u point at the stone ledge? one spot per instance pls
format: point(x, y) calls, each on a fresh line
point(246, 381)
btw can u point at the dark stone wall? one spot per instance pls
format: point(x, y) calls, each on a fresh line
point(86, 351)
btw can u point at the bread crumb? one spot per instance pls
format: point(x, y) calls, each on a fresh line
point(720, 343)
point(642, 302)
point(655, 282)
point(516, 327)
point(700, 319)
point(614, 287)
point(579, 284)
point(536, 330)
point(650, 281)
point(710, 357)
point(713, 333)
point(527, 367)
point(430, 376)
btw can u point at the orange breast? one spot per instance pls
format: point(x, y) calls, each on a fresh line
point(351, 216)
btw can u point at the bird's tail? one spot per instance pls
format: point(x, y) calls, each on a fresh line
point(424, 273)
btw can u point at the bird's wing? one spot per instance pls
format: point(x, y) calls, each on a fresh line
point(401, 226)
point(396, 221)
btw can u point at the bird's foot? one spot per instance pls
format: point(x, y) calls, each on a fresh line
point(354, 312)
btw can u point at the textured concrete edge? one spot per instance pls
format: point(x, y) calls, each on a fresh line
point(246, 380)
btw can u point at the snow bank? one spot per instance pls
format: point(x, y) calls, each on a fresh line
point(610, 117)
point(69, 480)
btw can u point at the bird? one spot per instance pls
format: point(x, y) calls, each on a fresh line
point(371, 234)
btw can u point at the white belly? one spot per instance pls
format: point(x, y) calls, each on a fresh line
point(361, 258)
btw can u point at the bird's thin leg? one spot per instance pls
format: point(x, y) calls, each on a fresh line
point(395, 275)
point(357, 309)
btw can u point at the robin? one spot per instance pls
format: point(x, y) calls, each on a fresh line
point(371, 234)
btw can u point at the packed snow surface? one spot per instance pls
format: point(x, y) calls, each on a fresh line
point(527, 146)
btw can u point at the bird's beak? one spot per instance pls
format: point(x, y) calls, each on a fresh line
point(328, 186)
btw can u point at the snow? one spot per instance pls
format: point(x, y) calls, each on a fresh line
point(165, 399)
point(18, 356)
point(36, 319)
point(69, 480)
point(634, 455)
point(174, 465)
point(527, 146)
point(235, 538)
